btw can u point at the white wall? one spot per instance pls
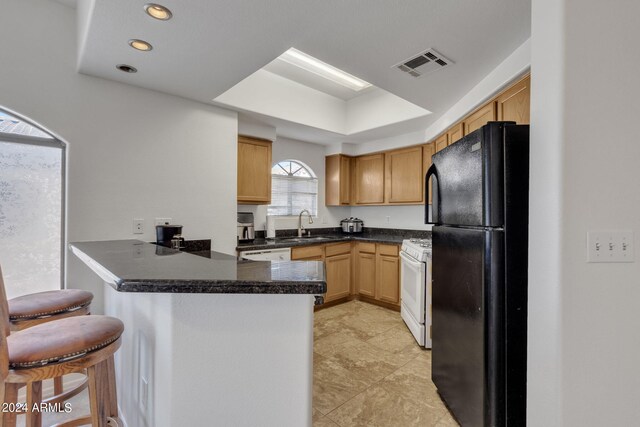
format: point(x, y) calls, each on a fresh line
point(584, 343)
point(313, 156)
point(132, 153)
point(377, 108)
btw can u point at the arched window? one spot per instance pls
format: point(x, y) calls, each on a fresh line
point(31, 207)
point(294, 187)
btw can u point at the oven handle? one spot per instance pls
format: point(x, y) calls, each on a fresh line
point(411, 261)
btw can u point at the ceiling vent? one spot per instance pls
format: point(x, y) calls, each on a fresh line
point(423, 63)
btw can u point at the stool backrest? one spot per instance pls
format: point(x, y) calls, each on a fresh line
point(4, 329)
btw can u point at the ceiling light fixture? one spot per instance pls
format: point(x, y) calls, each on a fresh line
point(140, 45)
point(126, 68)
point(158, 11)
point(309, 63)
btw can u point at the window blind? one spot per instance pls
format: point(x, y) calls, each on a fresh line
point(291, 194)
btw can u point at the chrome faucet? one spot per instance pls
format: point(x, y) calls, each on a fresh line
point(300, 227)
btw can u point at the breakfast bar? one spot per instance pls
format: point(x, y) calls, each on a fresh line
point(209, 339)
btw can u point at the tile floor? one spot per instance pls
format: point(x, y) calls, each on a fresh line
point(369, 371)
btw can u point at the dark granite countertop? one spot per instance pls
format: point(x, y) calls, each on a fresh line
point(136, 266)
point(377, 235)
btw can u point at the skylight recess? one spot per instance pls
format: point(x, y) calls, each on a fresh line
point(322, 69)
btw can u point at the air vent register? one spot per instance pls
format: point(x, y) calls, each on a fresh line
point(423, 63)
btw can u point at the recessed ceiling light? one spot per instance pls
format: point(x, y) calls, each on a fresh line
point(126, 68)
point(140, 45)
point(157, 11)
point(309, 63)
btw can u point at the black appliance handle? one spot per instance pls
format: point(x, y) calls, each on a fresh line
point(431, 171)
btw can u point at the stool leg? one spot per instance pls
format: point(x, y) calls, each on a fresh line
point(9, 395)
point(113, 393)
point(57, 386)
point(98, 394)
point(34, 398)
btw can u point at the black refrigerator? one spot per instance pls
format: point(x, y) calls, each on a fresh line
point(479, 274)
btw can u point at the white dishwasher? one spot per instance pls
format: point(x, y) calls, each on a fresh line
point(280, 254)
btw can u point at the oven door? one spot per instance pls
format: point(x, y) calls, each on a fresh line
point(413, 286)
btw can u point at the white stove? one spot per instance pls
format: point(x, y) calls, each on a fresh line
point(415, 283)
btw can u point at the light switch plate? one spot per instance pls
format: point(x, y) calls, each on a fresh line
point(610, 246)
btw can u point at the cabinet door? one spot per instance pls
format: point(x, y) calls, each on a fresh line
point(455, 133)
point(388, 286)
point(366, 274)
point(428, 150)
point(370, 179)
point(338, 268)
point(514, 103)
point(337, 180)
point(441, 142)
point(403, 175)
point(254, 171)
point(480, 118)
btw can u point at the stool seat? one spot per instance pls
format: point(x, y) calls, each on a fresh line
point(61, 340)
point(47, 303)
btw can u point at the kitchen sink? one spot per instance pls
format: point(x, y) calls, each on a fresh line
point(307, 239)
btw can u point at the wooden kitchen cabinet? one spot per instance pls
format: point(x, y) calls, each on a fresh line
point(254, 171)
point(365, 259)
point(480, 118)
point(378, 272)
point(441, 141)
point(338, 180)
point(403, 175)
point(369, 179)
point(455, 133)
point(338, 266)
point(514, 103)
point(388, 277)
point(338, 270)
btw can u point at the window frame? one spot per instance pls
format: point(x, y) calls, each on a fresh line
point(312, 177)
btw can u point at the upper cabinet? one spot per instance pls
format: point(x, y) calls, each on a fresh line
point(513, 104)
point(338, 180)
point(455, 133)
point(403, 175)
point(441, 142)
point(480, 118)
point(254, 171)
point(396, 177)
point(369, 179)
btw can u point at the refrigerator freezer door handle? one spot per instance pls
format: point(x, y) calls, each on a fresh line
point(431, 171)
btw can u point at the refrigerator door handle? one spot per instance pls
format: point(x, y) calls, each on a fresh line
point(431, 171)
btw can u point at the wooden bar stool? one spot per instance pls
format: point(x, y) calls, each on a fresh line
point(37, 308)
point(53, 349)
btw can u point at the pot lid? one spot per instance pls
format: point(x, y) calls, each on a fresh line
point(351, 219)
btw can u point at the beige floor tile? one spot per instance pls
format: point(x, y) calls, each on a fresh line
point(320, 420)
point(333, 384)
point(376, 406)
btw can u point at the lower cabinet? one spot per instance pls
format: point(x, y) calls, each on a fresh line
point(374, 267)
point(378, 272)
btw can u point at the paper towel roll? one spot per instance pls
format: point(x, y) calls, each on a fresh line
point(271, 227)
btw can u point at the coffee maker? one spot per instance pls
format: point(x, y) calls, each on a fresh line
point(170, 236)
point(246, 230)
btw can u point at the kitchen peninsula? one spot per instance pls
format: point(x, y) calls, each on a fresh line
point(208, 339)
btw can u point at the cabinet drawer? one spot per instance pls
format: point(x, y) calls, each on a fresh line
point(367, 247)
point(389, 250)
point(337, 249)
point(307, 252)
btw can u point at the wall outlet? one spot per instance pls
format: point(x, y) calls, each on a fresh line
point(387, 219)
point(323, 220)
point(162, 221)
point(138, 226)
point(610, 246)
